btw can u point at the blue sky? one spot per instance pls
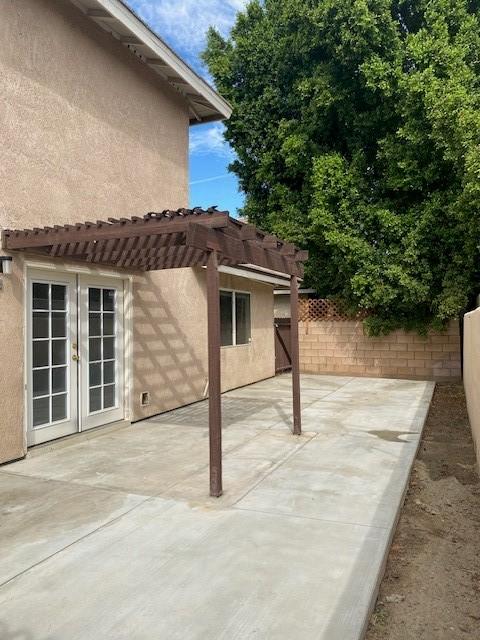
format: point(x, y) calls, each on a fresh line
point(183, 25)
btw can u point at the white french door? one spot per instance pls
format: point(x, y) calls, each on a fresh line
point(101, 351)
point(75, 354)
point(52, 374)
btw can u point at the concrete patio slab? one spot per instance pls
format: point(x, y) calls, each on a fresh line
point(41, 517)
point(116, 537)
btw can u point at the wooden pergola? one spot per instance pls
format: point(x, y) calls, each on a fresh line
point(175, 239)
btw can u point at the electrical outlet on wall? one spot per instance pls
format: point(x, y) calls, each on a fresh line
point(145, 398)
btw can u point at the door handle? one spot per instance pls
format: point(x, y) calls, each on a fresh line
point(75, 357)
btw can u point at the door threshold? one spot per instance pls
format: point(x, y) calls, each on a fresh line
point(74, 438)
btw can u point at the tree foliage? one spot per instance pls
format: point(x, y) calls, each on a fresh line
point(356, 128)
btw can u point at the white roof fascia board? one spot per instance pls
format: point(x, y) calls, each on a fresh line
point(281, 292)
point(279, 274)
point(250, 275)
point(173, 68)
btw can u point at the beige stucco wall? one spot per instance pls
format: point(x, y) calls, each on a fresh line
point(170, 339)
point(12, 435)
point(87, 129)
point(471, 373)
point(87, 132)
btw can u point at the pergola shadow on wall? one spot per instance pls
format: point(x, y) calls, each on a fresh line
point(176, 239)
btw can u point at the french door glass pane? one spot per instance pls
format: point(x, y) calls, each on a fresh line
point(59, 353)
point(95, 374)
point(108, 324)
point(94, 299)
point(94, 326)
point(109, 396)
point(58, 297)
point(59, 325)
point(59, 379)
point(109, 372)
point(40, 353)
point(40, 325)
point(108, 348)
point(94, 349)
point(41, 411)
point(40, 295)
point(95, 399)
point(59, 407)
point(49, 353)
point(102, 348)
point(41, 382)
point(108, 299)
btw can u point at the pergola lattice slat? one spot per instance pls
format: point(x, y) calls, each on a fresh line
point(164, 237)
point(176, 239)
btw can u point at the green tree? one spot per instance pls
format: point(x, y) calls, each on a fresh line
point(356, 128)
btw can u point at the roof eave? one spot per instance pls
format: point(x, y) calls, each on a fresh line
point(205, 104)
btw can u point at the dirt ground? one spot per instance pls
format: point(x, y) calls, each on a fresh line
point(431, 588)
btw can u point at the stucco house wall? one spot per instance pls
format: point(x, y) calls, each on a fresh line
point(89, 132)
point(170, 345)
point(471, 373)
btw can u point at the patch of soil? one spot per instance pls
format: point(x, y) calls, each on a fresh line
point(431, 587)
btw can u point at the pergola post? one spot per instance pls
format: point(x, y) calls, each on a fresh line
point(214, 379)
point(297, 417)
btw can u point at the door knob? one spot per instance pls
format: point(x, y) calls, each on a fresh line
point(75, 357)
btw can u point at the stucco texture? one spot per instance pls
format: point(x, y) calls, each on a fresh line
point(87, 129)
point(471, 373)
point(88, 132)
point(12, 435)
point(170, 357)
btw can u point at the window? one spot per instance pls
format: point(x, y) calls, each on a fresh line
point(234, 318)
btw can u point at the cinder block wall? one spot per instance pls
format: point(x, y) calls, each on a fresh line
point(341, 347)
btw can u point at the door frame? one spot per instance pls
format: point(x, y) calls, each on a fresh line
point(60, 267)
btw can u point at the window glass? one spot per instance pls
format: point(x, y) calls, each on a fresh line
point(59, 325)
point(41, 411)
point(59, 407)
point(95, 399)
point(40, 295)
point(41, 349)
point(40, 325)
point(59, 352)
point(59, 379)
point(226, 318)
point(58, 296)
point(242, 317)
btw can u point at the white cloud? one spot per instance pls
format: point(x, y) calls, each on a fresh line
point(208, 139)
point(184, 23)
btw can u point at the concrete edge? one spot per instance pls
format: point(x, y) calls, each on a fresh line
point(393, 528)
point(74, 438)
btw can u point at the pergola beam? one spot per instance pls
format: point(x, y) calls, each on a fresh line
point(241, 251)
point(152, 226)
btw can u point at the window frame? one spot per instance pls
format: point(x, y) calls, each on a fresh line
point(234, 316)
